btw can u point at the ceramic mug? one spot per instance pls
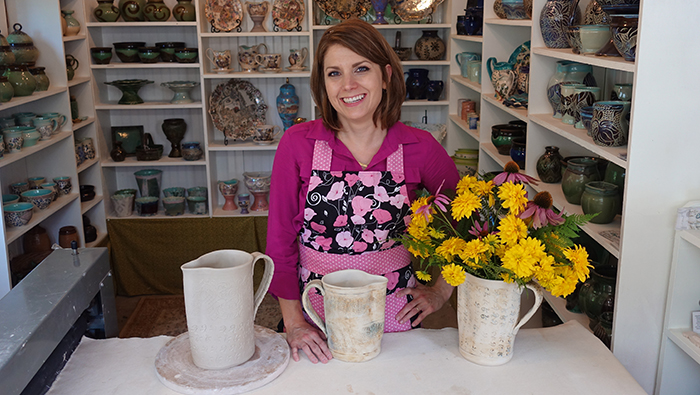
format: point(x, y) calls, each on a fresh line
point(13, 140)
point(24, 118)
point(266, 133)
point(60, 119)
point(246, 56)
point(270, 61)
point(610, 123)
point(45, 125)
point(297, 58)
point(474, 70)
point(463, 59)
point(567, 102)
point(7, 122)
point(220, 59)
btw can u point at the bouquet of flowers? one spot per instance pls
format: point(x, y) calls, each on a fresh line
point(492, 231)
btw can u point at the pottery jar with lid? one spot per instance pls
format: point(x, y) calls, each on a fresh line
point(7, 57)
point(184, 11)
point(106, 11)
point(22, 46)
point(67, 234)
point(23, 82)
point(602, 198)
point(578, 173)
point(7, 92)
point(42, 80)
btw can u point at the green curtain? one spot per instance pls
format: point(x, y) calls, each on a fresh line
point(146, 254)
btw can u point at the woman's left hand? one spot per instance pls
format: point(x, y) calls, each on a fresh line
point(426, 300)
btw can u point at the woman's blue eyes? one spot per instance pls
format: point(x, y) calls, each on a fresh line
point(360, 69)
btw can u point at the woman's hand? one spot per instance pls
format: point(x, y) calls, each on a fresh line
point(303, 336)
point(426, 300)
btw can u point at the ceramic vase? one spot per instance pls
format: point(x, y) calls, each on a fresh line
point(379, 8)
point(42, 80)
point(566, 108)
point(517, 151)
point(244, 202)
point(6, 90)
point(599, 288)
point(430, 46)
point(156, 11)
point(228, 190)
point(610, 123)
point(191, 151)
point(72, 64)
point(602, 198)
point(132, 10)
point(624, 35)
point(174, 130)
point(148, 181)
point(220, 306)
point(287, 104)
point(23, 82)
point(106, 11)
point(578, 173)
point(549, 165)
point(621, 92)
point(417, 83)
point(257, 13)
point(434, 90)
point(118, 154)
point(72, 24)
point(503, 77)
point(184, 11)
point(584, 96)
point(555, 19)
point(487, 318)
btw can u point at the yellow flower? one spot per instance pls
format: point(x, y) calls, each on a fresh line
point(421, 253)
point(464, 205)
point(451, 247)
point(533, 247)
point(453, 274)
point(473, 252)
point(418, 203)
point(465, 184)
point(512, 229)
point(545, 272)
point(519, 261)
point(492, 242)
point(564, 283)
point(436, 234)
point(420, 233)
point(513, 197)
point(423, 276)
point(484, 189)
point(579, 257)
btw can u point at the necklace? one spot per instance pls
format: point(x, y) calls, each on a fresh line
point(362, 165)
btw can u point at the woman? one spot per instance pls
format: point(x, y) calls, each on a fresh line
point(341, 186)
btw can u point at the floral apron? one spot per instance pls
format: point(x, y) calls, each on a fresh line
point(350, 220)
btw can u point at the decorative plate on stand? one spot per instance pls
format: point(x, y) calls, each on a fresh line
point(288, 14)
point(414, 10)
point(344, 9)
point(224, 15)
point(236, 107)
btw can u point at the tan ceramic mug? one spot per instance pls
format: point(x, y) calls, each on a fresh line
point(266, 133)
point(221, 60)
point(270, 61)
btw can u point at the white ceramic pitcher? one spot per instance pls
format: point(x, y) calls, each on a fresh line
point(354, 303)
point(220, 306)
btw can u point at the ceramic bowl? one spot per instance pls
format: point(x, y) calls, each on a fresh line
point(514, 9)
point(149, 54)
point(52, 187)
point(18, 214)
point(593, 37)
point(257, 181)
point(197, 205)
point(128, 52)
point(30, 138)
point(167, 50)
point(18, 187)
point(502, 136)
point(403, 53)
point(197, 191)
point(35, 182)
point(174, 205)
point(147, 206)
point(9, 198)
point(101, 55)
point(87, 193)
point(41, 198)
point(174, 192)
point(126, 192)
point(186, 55)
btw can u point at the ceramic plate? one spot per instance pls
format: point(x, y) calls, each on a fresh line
point(287, 14)
point(130, 136)
point(236, 107)
point(296, 69)
point(224, 15)
point(344, 9)
point(414, 10)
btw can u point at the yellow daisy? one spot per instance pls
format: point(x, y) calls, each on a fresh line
point(579, 257)
point(465, 184)
point(513, 197)
point(436, 234)
point(512, 229)
point(473, 252)
point(453, 274)
point(464, 205)
point(519, 261)
point(423, 276)
point(451, 247)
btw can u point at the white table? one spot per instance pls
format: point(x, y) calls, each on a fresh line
point(566, 359)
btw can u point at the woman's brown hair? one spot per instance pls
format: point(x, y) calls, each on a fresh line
point(363, 39)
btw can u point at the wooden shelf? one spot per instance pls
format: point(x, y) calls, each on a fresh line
point(218, 145)
point(87, 164)
point(245, 74)
point(474, 133)
point(425, 63)
point(82, 124)
point(160, 215)
point(614, 63)
point(22, 100)
point(158, 65)
point(147, 106)
point(491, 151)
point(27, 151)
point(100, 237)
point(78, 80)
point(77, 37)
point(86, 206)
point(580, 137)
point(691, 236)
point(423, 103)
point(218, 212)
point(12, 234)
point(508, 22)
point(466, 82)
point(140, 24)
point(476, 39)
point(401, 26)
point(676, 336)
point(163, 161)
point(520, 113)
point(255, 34)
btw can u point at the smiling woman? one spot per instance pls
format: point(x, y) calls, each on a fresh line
point(341, 187)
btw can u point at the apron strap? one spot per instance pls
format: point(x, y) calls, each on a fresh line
point(322, 156)
point(394, 162)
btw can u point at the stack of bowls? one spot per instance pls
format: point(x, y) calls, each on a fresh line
point(18, 214)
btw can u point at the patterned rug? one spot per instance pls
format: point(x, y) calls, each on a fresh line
point(165, 315)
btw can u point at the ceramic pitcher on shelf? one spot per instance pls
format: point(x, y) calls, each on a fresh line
point(503, 77)
point(246, 56)
point(72, 64)
point(353, 307)
point(220, 306)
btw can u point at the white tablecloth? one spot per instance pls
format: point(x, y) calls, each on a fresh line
point(562, 360)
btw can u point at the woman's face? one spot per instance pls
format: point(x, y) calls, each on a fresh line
point(353, 84)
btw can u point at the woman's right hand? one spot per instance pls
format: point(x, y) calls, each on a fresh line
point(301, 335)
point(309, 339)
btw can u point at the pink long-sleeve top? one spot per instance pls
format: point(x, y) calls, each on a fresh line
point(426, 165)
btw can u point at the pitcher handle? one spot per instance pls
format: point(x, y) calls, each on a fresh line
point(489, 66)
point(306, 302)
point(304, 55)
point(257, 48)
point(267, 278)
point(276, 131)
point(63, 120)
point(209, 56)
point(537, 290)
point(457, 59)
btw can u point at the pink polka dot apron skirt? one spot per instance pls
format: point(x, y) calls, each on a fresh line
point(350, 220)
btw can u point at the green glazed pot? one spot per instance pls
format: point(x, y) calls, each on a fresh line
point(6, 90)
point(184, 11)
point(186, 55)
point(42, 80)
point(23, 82)
point(24, 53)
point(101, 55)
point(132, 10)
point(7, 57)
point(149, 54)
point(602, 198)
point(197, 205)
point(596, 290)
point(156, 11)
point(106, 11)
point(579, 172)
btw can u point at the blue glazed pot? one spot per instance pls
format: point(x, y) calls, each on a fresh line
point(434, 90)
point(610, 123)
point(288, 104)
point(417, 83)
point(517, 151)
point(555, 19)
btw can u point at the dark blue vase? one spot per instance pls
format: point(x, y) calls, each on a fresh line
point(417, 83)
point(287, 104)
point(434, 90)
point(517, 151)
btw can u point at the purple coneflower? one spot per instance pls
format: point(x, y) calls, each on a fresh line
point(479, 231)
point(441, 200)
point(511, 172)
point(540, 210)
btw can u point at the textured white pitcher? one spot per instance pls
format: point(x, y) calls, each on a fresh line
point(220, 306)
point(354, 303)
point(487, 316)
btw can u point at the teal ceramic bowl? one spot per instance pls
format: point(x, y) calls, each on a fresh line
point(18, 214)
point(174, 205)
point(9, 198)
point(149, 54)
point(197, 205)
point(174, 192)
point(197, 191)
point(30, 137)
point(186, 55)
point(126, 192)
point(41, 198)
